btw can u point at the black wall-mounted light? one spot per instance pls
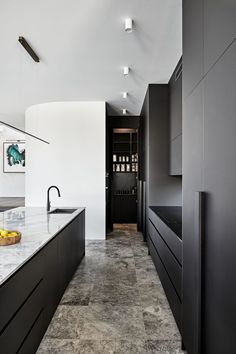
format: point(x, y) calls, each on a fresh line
point(28, 48)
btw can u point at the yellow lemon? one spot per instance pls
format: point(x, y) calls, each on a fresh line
point(4, 233)
point(12, 234)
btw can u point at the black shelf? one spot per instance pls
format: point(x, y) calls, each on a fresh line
point(125, 204)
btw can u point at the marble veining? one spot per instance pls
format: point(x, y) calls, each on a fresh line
point(115, 304)
point(37, 228)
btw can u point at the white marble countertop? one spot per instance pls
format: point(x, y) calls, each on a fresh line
point(37, 228)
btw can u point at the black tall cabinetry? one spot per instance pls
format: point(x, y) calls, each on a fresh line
point(154, 155)
point(156, 186)
point(209, 165)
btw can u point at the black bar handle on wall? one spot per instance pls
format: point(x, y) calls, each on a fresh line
point(199, 237)
point(28, 48)
point(140, 204)
point(144, 209)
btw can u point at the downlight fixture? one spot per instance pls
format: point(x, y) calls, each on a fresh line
point(125, 95)
point(128, 25)
point(124, 111)
point(126, 70)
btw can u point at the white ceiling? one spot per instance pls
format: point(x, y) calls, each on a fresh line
point(83, 47)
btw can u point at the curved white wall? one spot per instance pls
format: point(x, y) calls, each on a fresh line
point(74, 160)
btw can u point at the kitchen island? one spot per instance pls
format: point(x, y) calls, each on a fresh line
point(35, 272)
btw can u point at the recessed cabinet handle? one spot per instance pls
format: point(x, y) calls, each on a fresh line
point(198, 235)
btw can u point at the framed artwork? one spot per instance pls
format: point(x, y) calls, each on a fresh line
point(14, 157)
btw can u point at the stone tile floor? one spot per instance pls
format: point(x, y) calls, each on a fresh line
point(115, 303)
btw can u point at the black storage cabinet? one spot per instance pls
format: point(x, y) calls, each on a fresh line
point(209, 160)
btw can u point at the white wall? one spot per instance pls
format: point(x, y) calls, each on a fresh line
point(74, 160)
point(11, 184)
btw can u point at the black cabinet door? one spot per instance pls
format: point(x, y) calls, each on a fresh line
point(176, 156)
point(52, 281)
point(193, 181)
point(219, 29)
point(175, 92)
point(71, 248)
point(209, 165)
point(79, 239)
point(19, 287)
point(192, 44)
point(219, 183)
point(65, 257)
point(175, 96)
point(125, 209)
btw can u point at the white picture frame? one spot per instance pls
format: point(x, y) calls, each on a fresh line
point(14, 157)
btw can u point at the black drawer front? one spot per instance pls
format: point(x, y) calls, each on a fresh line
point(18, 288)
point(32, 341)
point(20, 326)
point(51, 278)
point(171, 239)
point(172, 266)
point(173, 299)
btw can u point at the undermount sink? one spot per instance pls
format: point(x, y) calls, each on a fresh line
point(62, 211)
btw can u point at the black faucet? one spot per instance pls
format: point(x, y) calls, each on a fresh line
point(48, 200)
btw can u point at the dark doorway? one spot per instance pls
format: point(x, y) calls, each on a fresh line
point(122, 171)
point(124, 175)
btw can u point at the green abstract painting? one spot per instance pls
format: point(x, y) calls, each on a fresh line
point(14, 157)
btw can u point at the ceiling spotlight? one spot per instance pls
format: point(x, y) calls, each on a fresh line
point(124, 111)
point(128, 25)
point(126, 70)
point(125, 94)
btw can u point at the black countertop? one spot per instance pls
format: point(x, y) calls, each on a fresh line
point(171, 216)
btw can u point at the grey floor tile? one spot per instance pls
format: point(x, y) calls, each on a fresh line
point(95, 347)
point(160, 324)
point(152, 294)
point(119, 251)
point(139, 249)
point(147, 275)
point(143, 262)
point(115, 293)
point(67, 322)
point(86, 271)
point(130, 347)
point(116, 269)
point(163, 347)
point(77, 293)
point(109, 347)
point(58, 346)
point(107, 322)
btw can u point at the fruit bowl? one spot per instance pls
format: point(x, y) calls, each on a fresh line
point(9, 237)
